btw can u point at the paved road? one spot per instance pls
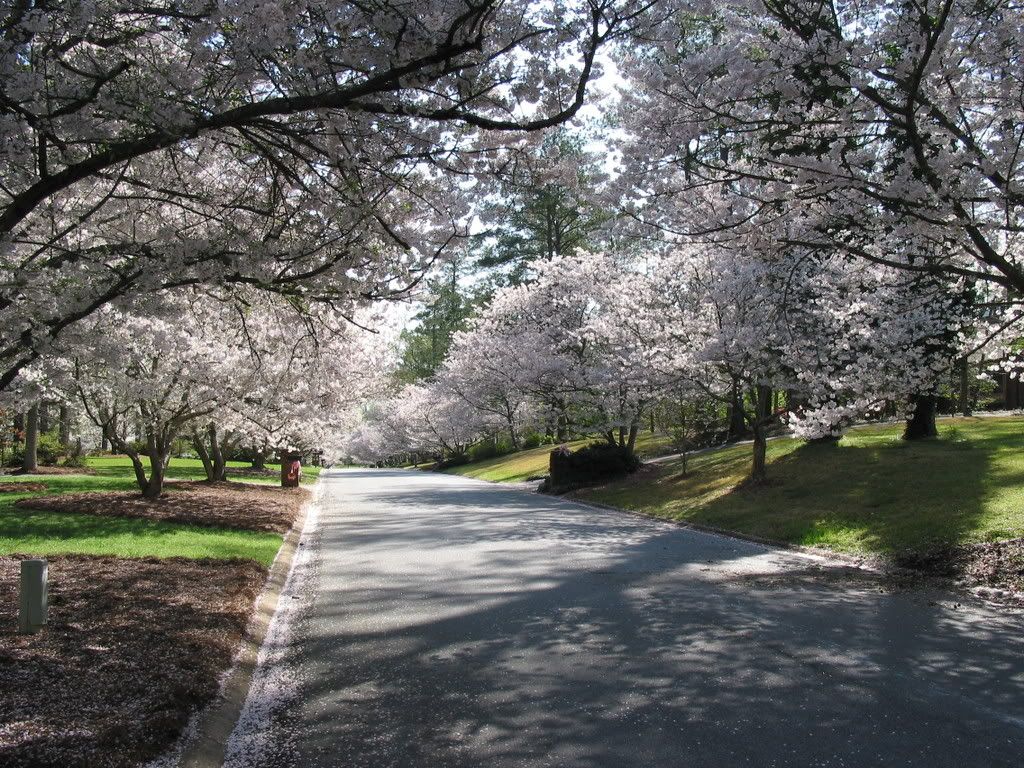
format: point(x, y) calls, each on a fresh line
point(457, 623)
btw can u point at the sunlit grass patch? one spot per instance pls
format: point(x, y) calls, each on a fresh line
point(871, 492)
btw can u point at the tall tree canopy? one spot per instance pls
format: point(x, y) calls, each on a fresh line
point(884, 129)
point(304, 148)
point(547, 205)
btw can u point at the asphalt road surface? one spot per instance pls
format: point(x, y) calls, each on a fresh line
point(452, 622)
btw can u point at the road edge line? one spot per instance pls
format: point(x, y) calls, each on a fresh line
point(206, 748)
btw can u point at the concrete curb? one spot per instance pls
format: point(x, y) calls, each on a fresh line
point(215, 724)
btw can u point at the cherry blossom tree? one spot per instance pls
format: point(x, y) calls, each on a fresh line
point(308, 380)
point(576, 343)
point(841, 336)
point(309, 149)
point(486, 372)
point(191, 364)
point(160, 369)
point(841, 127)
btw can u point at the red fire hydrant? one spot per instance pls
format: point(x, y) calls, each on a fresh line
point(291, 470)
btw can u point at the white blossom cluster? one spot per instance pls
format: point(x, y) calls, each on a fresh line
point(599, 338)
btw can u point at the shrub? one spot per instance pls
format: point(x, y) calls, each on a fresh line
point(533, 440)
point(486, 449)
point(75, 460)
point(242, 453)
point(140, 447)
point(452, 461)
point(592, 464)
point(48, 451)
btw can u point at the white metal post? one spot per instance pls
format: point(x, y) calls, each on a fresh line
point(32, 615)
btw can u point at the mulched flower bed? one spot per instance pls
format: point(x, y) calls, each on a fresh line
point(253, 472)
point(243, 506)
point(998, 565)
point(132, 647)
point(54, 471)
point(22, 487)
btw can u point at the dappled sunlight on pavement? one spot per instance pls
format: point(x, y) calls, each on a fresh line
point(456, 623)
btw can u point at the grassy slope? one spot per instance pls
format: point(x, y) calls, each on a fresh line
point(519, 466)
point(870, 493)
point(48, 533)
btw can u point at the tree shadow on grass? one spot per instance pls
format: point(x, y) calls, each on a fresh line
point(881, 498)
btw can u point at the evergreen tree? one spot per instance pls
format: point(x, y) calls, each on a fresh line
point(425, 344)
point(546, 207)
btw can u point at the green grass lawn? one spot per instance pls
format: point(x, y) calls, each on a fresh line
point(518, 466)
point(34, 532)
point(188, 469)
point(871, 493)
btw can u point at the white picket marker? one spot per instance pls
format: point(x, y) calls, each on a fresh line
point(32, 615)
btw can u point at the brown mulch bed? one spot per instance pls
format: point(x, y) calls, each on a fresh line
point(22, 487)
point(132, 647)
point(243, 506)
point(253, 472)
point(997, 565)
point(55, 471)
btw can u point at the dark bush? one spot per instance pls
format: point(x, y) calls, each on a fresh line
point(532, 440)
point(48, 451)
point(489, 449)
point(452, 461)
point(592, 464)
point(140, 447)
point(75, 460)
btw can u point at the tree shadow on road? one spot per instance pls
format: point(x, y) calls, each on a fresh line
point(459, 624)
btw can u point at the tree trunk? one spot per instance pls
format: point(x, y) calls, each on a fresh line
point(65, 425)
point(157, 469)
point(259, 459)
point(157, 465)
point(965, 386)
point(512, 434)
point(110, 435)
point(562, 427)
point(217, 453)
point(763, 416)
point(634, 428)
point(204, 455)
point(29, 462)
point(737, 426)
point(44, 418)
point(794, 400)
point(921, 424)
point(758, 472)
point(140, 471)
